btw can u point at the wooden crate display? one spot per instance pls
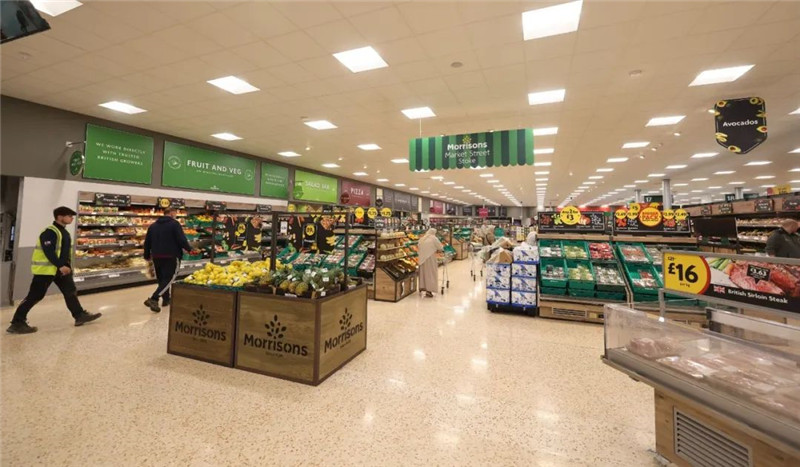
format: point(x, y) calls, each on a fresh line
point(300, 340)
point(202, 324)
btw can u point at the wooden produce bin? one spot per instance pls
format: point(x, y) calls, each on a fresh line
point(387, 289)
point(202, 324)
point(301, 340)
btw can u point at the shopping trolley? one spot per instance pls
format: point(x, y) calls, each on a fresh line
point(476, 255)
point(444, 260)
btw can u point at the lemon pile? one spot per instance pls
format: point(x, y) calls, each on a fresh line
point(236, 274)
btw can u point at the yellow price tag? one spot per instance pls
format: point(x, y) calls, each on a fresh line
point(292, 208)
point(359, 213)
point(668, 214)
point(372, 213)
point(386, 212)
point(633, 211)
point(650, 217)
point(686, 273)
point(620, 213)
point(570, 215)
point(164, 202)
point(681, 214)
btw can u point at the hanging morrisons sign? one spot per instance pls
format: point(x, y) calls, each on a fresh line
point(495, 149)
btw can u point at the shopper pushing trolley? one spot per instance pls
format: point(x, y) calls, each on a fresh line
point(52, 263)
point(164, 245)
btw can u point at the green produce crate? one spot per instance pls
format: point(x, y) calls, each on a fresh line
point(587, 293)
point(576, 283)
point(636, 245)
point(552, 291)
point(575, 244)
point(550, 243)
point(644, 297)
point(615, 296)
point(633, 272)
point(607, 287)
point(555, 262)
point(188, 257)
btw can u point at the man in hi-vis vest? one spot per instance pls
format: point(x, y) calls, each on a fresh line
point(52, 262)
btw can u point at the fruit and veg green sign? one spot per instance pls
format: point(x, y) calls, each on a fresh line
point(741, 124)
point(763, 281)
point(314, 187)
point(489, 149)
point(201, 169)
point(274, 181)
point(118, 155)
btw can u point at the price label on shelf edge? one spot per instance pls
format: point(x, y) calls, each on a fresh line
point(686, 273)
point(570, 215)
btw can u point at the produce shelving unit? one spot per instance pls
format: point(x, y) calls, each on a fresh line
point(102, 263)
point(303, 336)
point(396, 274)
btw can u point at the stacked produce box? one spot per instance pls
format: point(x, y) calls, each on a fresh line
point(498, 278)
point(523, 276)
point(643, 277)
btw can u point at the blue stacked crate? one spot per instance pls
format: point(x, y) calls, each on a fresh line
point(498, 283)
point(523, 277)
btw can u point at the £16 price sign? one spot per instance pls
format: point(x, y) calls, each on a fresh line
point(686, 273)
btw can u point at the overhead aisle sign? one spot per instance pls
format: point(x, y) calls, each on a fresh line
point(117, 155)
point(491, 149)
point(201, 169)
point(313, 187)
point(274, 181)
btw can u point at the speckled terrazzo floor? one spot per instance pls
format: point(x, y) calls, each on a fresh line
point(443, 382)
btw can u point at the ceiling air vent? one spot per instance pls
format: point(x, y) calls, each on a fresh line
point(703, 446)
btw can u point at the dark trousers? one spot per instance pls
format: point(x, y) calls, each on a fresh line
point(38, 289)
point(166, 270)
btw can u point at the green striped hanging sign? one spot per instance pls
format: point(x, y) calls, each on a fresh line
point(495, 149)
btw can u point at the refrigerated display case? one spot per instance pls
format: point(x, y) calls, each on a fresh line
point(727, 395)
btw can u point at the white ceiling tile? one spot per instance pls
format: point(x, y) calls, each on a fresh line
point(381, 25)
point(232, 63)
point(127, 56)
point(292, 73)
point(261, 54)
point(445, 41)
point(493, 57)
point(424, 17)
point(720, 16)
point(606, 37)
point(479, 11)
point(308, 14)
point(465, 80)
point(186, 40)
point(158, 52)
point(297, 46)
point(496, 31)
point(401, 51)
point(337, 36)
point(222, 29)
point(141, 17)
point(550, 47)
point(428, 86)
point(262, 79)
point(180, 12)
point(349, 9)
point(325, 67)
point(261, 18)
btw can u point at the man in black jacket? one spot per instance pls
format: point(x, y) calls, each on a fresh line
point(164, 244)
point(785, 242)
point(52, 262)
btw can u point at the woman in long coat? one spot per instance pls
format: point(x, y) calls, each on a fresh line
point(428, 267)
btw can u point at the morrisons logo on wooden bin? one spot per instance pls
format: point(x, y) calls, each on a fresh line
point(198, 327)
point(348, 331)
point(274, 343)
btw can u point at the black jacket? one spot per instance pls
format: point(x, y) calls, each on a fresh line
point(165, 239)
point(783, 244)
point(48, 240)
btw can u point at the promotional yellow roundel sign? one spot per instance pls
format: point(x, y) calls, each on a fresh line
point(620, 213)
point(686, 273)
point(386, 212)
point(164, 202)
point(650, 217)
point(668, 214)
point(372, 213)
point(359, 213)
point(633, 211)
point(570, 215)
point(681, 214)
point(310, 230)
point(292, 208)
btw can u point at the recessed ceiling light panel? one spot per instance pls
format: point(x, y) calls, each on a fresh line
point(551, 21)
point(233, 85)
point(321, 125)
point(661, 121)
point(546, 97)
point(418, 112)
point(122, 107)
point(720, 75)
point(363, 59)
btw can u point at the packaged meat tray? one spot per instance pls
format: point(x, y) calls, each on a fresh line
point(654, 348)
point(781, 404)
point(687, 366)
point(737, 384)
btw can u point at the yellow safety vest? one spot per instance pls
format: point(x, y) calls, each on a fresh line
point(40, 265)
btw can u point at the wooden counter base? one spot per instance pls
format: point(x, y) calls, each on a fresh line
point(699, 425)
